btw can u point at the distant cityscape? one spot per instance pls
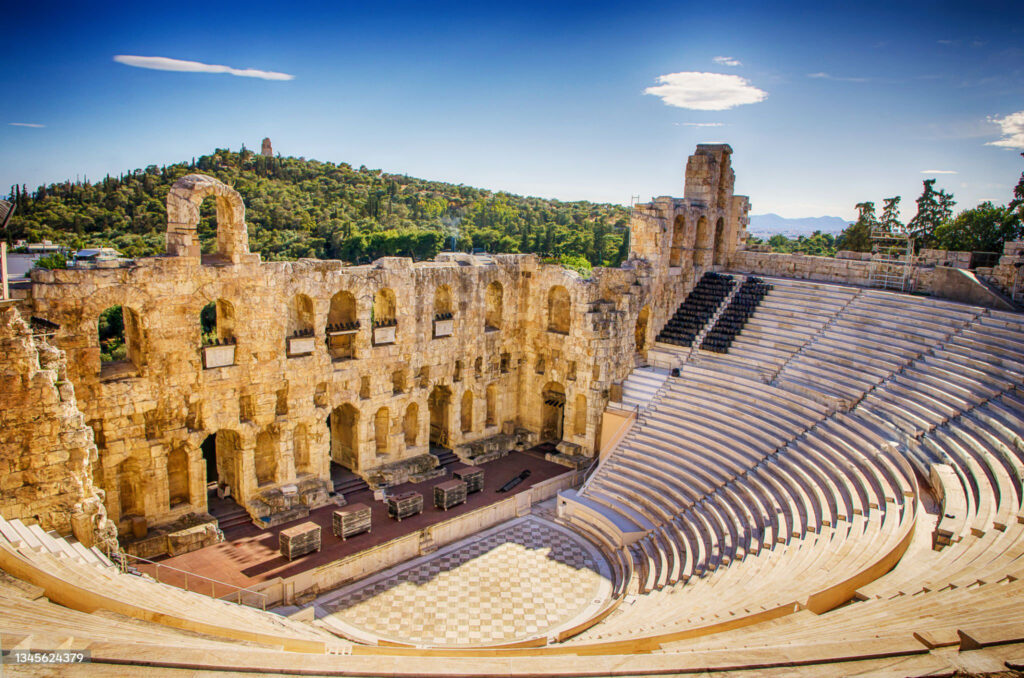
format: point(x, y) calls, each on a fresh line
point(767, 225)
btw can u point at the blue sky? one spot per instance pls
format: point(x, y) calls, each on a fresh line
point(824, 106)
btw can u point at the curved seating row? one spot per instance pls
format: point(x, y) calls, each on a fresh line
point(87, 586)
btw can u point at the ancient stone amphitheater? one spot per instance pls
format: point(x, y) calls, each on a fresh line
point(772, 467)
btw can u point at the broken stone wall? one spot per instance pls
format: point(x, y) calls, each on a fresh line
point(46, 450)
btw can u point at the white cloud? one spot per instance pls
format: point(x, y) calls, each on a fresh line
point(828, 76)
point(25, 124)
point(699, 124)
point(705, 91)
point(1013, 130)
point(938, 171)
point(166, 64)
point(727, 61)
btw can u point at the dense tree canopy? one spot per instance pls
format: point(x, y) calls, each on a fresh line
point(306, 208)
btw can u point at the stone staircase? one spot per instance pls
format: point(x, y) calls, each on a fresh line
point(36, 538)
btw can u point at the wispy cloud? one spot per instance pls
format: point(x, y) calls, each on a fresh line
point(25, 124)
point(1013, 130)
point(699, 124)
point(829, 76)
point(727, 61)
point(167, 64)
point(938, 171)
point(705, 91)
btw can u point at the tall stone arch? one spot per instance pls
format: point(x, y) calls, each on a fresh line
point(183, 202)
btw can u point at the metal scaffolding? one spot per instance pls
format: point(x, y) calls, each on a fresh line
point(893, 261)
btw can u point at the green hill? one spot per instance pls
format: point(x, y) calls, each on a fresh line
point(307, 208)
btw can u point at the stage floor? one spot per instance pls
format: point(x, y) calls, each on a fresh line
point(249, 555)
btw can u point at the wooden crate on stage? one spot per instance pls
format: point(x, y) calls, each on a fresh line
point(473, 476)
point(449, 493)
point(300, 540)
point(353, 519)
point(405, 505)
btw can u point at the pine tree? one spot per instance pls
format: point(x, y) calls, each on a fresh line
point(890, 215)
point(934, 208)
point(857, 236)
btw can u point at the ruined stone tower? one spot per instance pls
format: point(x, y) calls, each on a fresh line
point(267, 151)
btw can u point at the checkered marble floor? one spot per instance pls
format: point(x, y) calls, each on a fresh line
point(510, 584)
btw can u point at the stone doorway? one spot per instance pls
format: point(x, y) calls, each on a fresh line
point(553, 397)
point(343, 423)
point(439, 403)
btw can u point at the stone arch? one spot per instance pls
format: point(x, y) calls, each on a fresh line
point(300, 450)
point(491, 405)
point(495, 302)
point(559, 309)
point(466, 411)
point(265, 460)
point(678, 241)
point(439, 404)
point(382, 431)
point(411, 425)
point(579, 415)
point(342, 317)
point(442, 301)
point(183, 202)
point(641, 329)
point(385, 306)
point(178, 477)
point(344, 421)
point(718, 253)
point(300, 315)
point(553, 408)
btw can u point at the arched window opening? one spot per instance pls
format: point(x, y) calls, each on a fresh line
point(411, 425)
point(640, 332)
point(553, 411)
point(382, 431)
point(491, 396)
point(300, 450)
point(494, 306)
point(439, 404)
point(719, 254)
point(342, 326)
point(217, 326)
point(580, 415)
point(701, 242)
point(559, 310)
point(467, 411)
point(344, 422)
point(385, 317)
point(266, 458)
point(678, 240)
point(178, 477)
point(443, 312)
point(119, 331)
point(299, 330)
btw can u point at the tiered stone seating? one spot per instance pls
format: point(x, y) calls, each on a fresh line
point(641, 387)
point(74, 581)
point(789, 316)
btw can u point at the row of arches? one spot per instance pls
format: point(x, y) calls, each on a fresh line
point(702, 242)
point(120, 334)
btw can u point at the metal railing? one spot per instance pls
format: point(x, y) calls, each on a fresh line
point(122, 562)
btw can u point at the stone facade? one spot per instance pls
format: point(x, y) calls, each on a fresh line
point(315, 362)
point(46, 450)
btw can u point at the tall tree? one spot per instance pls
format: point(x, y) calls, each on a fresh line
point(982, 229)
point(933, 209)
point(891, 215)
point(857, 236)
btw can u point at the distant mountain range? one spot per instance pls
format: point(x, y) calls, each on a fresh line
point(770, 224)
